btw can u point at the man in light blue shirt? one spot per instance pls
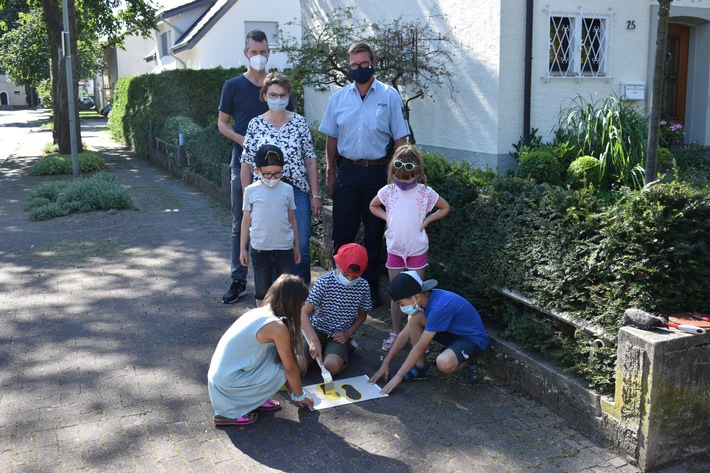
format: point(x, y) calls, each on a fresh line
point(364, 124)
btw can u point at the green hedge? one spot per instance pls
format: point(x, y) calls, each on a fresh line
point(147, 102)
point(590, 253)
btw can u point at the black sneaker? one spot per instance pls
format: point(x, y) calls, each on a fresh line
point(236, 290)
point(468, 376)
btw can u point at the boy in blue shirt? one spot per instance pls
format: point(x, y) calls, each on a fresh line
point(336, 307)
point(434, 314)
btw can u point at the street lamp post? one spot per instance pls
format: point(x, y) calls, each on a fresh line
point(66, 52)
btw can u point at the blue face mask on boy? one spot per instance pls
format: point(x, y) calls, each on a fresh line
point(410, 309)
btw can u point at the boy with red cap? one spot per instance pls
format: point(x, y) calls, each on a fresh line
point(336, 307)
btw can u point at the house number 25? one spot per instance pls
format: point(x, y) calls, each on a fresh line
point(630, 24)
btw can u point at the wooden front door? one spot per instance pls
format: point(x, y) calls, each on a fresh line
point(676, 74)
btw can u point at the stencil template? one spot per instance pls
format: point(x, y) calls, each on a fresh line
point(348, 391)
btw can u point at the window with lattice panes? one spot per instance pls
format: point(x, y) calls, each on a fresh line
point(579, 45)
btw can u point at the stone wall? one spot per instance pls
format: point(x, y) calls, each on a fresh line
point(662, 397)
point(660, 412)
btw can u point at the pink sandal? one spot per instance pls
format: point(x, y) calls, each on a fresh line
point(269, 405)
point(388, 342)
point(246, 419)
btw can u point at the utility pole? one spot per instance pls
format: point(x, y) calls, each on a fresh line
point(66, 52)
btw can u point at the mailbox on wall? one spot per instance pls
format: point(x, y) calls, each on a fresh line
point(633, 91)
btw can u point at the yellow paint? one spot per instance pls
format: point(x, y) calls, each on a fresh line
point(330, 395)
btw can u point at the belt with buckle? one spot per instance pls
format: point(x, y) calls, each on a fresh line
point(367, 162)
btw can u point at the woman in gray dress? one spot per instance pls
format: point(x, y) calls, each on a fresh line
point(257, 355)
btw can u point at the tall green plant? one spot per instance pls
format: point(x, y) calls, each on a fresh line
point(610, 130)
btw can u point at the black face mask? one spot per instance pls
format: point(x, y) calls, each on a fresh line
point(362, 74)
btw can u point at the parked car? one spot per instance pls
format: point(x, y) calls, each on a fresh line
point(86, 103)
point(106, 110)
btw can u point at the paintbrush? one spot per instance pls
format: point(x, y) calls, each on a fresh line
point(328, 385)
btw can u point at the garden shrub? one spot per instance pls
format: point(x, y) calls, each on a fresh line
point(541, 166)
point(611, 129)
point(55, 163)
point(664, 158)
point(693, 166)
point(584, 170)
point(589, 253)
point(144, 103)
point(101, 191)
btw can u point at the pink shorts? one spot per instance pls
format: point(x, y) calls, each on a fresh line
point(411, 262)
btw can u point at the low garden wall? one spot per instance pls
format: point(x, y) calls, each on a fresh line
point(660, 410)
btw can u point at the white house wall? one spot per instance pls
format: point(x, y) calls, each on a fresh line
point(484, 119)
point(463, 126)
point(177, 25)
point(15, 94)
point(512, 66)
point(628, 53)
point(130, 60)
point(223, 44)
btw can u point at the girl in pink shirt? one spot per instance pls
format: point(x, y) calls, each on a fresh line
point(407, 202)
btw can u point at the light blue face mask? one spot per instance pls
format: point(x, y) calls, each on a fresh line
point(410, 309)
point(345, 281)
point(277, 104)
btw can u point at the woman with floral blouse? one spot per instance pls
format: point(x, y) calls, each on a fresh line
point(289, 131)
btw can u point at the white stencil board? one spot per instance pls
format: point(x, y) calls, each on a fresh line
point(349, 391)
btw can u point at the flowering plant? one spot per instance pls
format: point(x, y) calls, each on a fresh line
point(670, 133)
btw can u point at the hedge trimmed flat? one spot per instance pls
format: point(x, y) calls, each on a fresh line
point(246, 419)
point(417, 373)
point(269, 405)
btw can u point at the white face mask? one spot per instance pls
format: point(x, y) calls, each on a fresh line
point(277, 104)
point(270, 182)
point(258, 62)
point(345, 281)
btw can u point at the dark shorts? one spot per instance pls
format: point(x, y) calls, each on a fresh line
point(464, 348)
point(328, 346)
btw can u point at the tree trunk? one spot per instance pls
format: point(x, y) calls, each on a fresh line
point(664, 8)
point(52, 13)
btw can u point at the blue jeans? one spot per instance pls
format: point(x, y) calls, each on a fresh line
point(355, 187)
point(239, 272)
point(269, 264)
point(303, 220)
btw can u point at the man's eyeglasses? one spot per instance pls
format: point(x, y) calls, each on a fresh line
point(272, 175)
point(273, 95)
point(363, 64)
point(403, 164)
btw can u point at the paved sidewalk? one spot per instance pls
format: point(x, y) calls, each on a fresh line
point(107, 325)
